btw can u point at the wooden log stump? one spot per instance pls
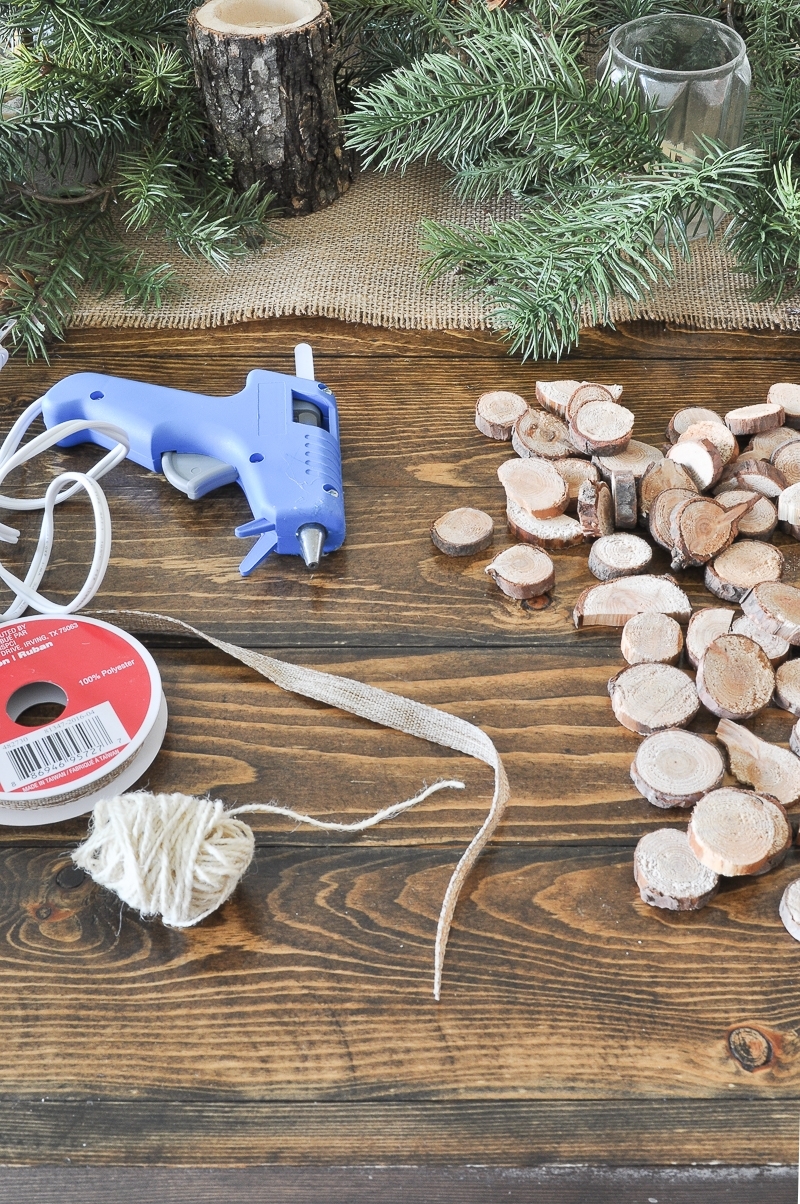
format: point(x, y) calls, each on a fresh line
point(757, 475)
point(760, 520)
point(701, 460)
point(775, 606)
point(551, 533)
point(763, 446)
point(462, 532)
point(554, 395)
point(669, 874)
point(776, 648)
point(658, 479)
point(535, 486)
point(496, 413)
point(704, 627)
point(523, 572)
point(787, 396)
point(661, 510)
point(265, 69)
point(537, 433)
point(575, 472)
point(700, 529)
point(614, 602)
point(743, 565)
point(625, 498)
point(676, 768)
point(679, 423)
point(751, 420)
point(735, 679)
point(733, 832)
point(651, 639)
point(650, 698)
point(637, 458)
point(619, 555)
point(716, 433)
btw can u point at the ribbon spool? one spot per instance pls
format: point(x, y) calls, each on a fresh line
point(109, 731)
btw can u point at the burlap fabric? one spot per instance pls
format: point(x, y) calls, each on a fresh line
point(360, 261)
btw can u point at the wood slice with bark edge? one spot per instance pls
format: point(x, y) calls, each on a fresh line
point(676, 768)
point(538, 433)
point(649, 698)
point(754, 762)
point(595, 509)
point(759, 476)
point(760, 520)
point(575, 472)
point(462, 532)
point(701, 460)
point(587, 391)
point(554, 534)
point(732, 831)
point(787, 396)
point(735, 679)
point(651, 639)
point(789, 909)
point(661, 510)
point(787, 461)
point(669, 875)
point(716, 433)
point(601, 427)
point(523, 572)
point(704, 627)
point(534, 485)
point(782, 839)
point(658, 479)
point(741, 566)
point(496, 413)
point(626, 502)
point(619, 555)
point(775, 606)
point(751, 420)
point(700, 529)
point(789, 507)
point(683, 419)
point(612, 603)
point(776, 649)
point(554, 395)
point(787, 686)
point(637, 458)
point(761, 447)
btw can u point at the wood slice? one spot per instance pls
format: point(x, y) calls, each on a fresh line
point(623, 495)
point(794, 739)
point(669, 875)
point(601, 427)
point(787, 461)
point(575, 472)
point(760, 520)
point(680, 422)
point(462, 532)
point(701, 460)
point(666, 474)
point(539, 434)
point(704, 627)
point(614, 602)
point(787, 396)
point(775, 606)
point(782, 838)
point(619, 555)
point(762, 447)
point(496, 413)
point(732, 831)
point(595, 509)
point(750, 420)
point(789, 908)
point(716, 433)
point(787, 686)
point(587, 391)
point(700, 529)
point(266, 72)
point(554, 395)
point(651, 639)
point(637, 458)
point(523, 572)
point(535, 486)
point(676, 768)
point(661, 510)
point(757, 475)
point(554, 534)
point(741, 567)
point(776, 649)
point(735, 679)
point(754, 762)
point(650, 698)
point(789, 506)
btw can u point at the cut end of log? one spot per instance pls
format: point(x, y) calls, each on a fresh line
point(462, 532)
point(651, 639)
point(735, 679)
point(620, 555)
point(787, 687)
point(766, 767)
point(741, 566)
point(612, 603)
point(523, 572)
point(775, 607)
point(535, 486)
point(650, 698)
point(750, 420)
point(680, 422)
point(676, 768)
point(669, 874)
point(704, 627)
point(553, 534)
point(733, 832)
point(253, 17)
point(537, 433)
point(496, 413)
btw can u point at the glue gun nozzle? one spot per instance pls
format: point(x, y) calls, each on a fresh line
point(312, 539)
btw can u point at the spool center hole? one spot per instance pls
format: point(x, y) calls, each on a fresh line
point(36, 703)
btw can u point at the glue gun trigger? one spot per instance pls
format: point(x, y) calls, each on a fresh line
point(196, 475)
point(259, 551)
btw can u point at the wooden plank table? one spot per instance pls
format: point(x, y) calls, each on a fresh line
point(289, 1047)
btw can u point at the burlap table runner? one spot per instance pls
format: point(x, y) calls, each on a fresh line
point(360, 261)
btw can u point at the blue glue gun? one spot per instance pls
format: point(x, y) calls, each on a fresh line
point(278, 438)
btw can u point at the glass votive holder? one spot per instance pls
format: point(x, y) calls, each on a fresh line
point(694, 69)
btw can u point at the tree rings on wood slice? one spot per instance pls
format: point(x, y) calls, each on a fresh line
point(750, 420)
point(787, 461)
point(787, 396)
point(619, 555)
point(651, 639)
point(554, 395)
point(787, 686)
point(716, 433)
point(637, 458)
point(742, 566)
point(650, 698)
point(762, 447)
point(754, 762)
point(666, 474)
point(704, 627)
point(535, 486)
point(595, 509)
point(700, 529)
point(661, 510)
point(462, 532)
point(732, 831)
point(776, 648)
point(539, 434)
point(612, 603)
point(551, 533)
point(757, 475)
point(496, 413)
point(782, 839)
point(735, 679)
point(760, 520)
point(790, 909)
point(676, 768)
point(575, 472)
point(680, 422)
point(626, 504)
point(600, 427)
point(523, 572)
point(587, 391)
point(701, 460)
point(775, 606)
point(669, 875)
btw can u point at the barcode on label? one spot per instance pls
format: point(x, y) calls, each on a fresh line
point(66, 744)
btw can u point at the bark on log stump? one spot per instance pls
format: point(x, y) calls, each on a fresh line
point(265, 70)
